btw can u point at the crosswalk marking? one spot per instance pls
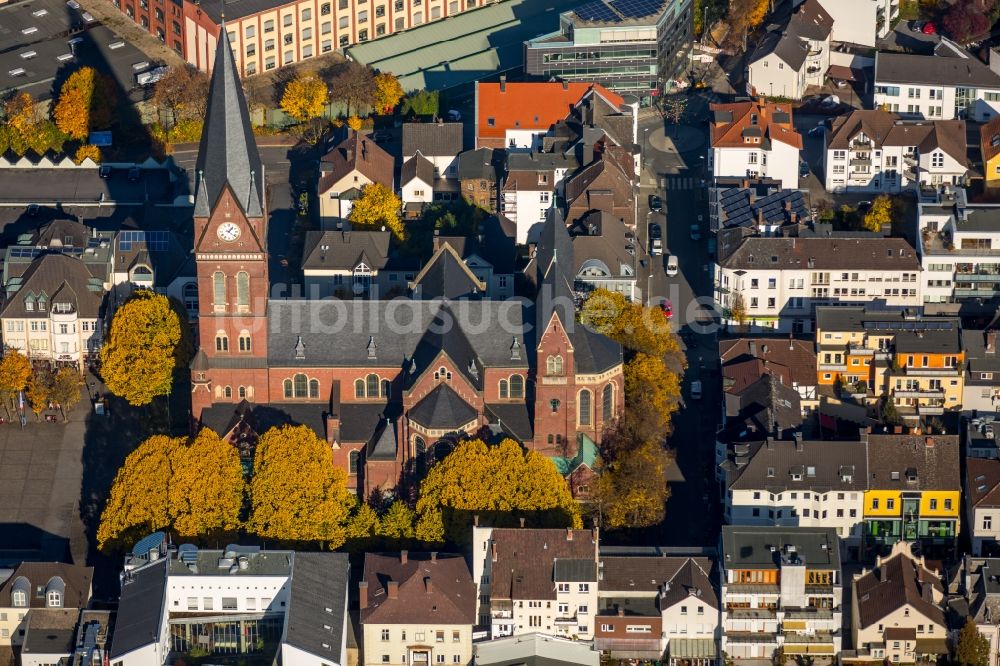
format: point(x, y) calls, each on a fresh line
point(679, 183)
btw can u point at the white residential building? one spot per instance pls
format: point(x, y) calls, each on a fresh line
point(794, 55)
point(877, 151)
point(430, 161)
point(982, 504)
point(533, 183)
point(950, 84)
point(781, 589)
point(782, 279)
point(755, 139)
point(861, 22)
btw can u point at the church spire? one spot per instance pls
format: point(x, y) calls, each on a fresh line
point(228, 152)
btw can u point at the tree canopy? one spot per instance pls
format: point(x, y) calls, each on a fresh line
point(353, 85)
point(65, 390)
point(652, 395)
point(297, 494)
point(971, 647)
point(638, 328)
point(305, 97)
point(500, 482)
point(422, 103)
point(632, 489)
point(207, 487)
point(181, 95)
point(146, 342)
point(15, 372)
point(86, 102)
point(377, 206)
point(388, 92)
point(880, 213)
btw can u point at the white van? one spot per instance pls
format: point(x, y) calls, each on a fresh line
point(672, 265)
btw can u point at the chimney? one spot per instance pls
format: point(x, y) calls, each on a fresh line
point(437, 240)
point(363, 594)
point(428, 585)
point(333, 430)
point(569, 534)
point(760, 216)
point(791, 342)
point(393, 586)
point(991, 341)
point(745, 183)
point(503, 83)
point(798, 441)
point(929, 442)
point(434, 556)
point(494, 552)
point(753, 348)
point(886, 230)
point(565, 85)
point(404, 556)
point(898, 430)
point(475, 520)
point(621, 612)
point(521, 519)
point(793, 217)
point(350, 154)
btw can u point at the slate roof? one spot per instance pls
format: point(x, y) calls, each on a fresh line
point(513, 418)
point(788, 37)
point(525, 559)
point(228, 153)
point(50, 631)
point(432, 139)
point(792, 360)
point(574, 570)
point(445, 275)
point(899, 581)
point(523, 170)
point(442, 409)
point(62, 279)
point(977, 356)
point(476, 165)
point(933, 459)
point(820, 253)
point(140, 609)
point(601, 237)
point(630, 575)
point(983, 481)
point(317, 599)
point(55, 232)
point(419, 168)
point(746, 547)
point(261, 417)
point(357, 152)
point(615, 177)
point(731, 122)
point(690, 580)
point(766, 406)
point(835, 466)
point(433, 589)
point(344, 250)
point(76, 581)
point(788, 46)
point(950, 65)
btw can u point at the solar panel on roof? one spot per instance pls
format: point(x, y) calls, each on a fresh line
point(597, 11)
point(637, 8)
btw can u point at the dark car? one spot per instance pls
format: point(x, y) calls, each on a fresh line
point(133, 174)
point(803, 169)
point(105, 171)
point(655, 203)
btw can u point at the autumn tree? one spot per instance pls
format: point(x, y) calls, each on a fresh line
point(738, 308)
point(353, 85)
point(86, 102)
point(65, 390)
point(641, 329)
point(652, 395)
point(139, 501)
point(207, 487)
point(39, 390)
point(632, 489)
point(15, 371)
point(181, 95)
point(880, 213)
point(21, 112)
point(744, 16)
point(971, 647)
point(377, 206)
point(363, 525)
point(305, 97)
point(297, 493)
point(145, 344)
point(87, 151)
point(388, 92)
point(355, 123)
point(500, 482)
point(398, 522)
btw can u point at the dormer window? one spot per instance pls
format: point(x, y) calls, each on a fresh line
point(29, 304)
point(53, 599)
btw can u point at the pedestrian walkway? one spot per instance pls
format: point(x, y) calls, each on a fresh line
point(680, 183)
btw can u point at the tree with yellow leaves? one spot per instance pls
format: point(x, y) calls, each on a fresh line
point(363, 525)
point(207, 487)
point(145, 344)
point(65, 390)
point(15, 371)
point(21, 112)
point(305, 97)
point(139, 499)
point(501, 483)
point(652, 395)
point(377, 207)
point(354, 123)
point(71, 114)
point(388, 92)
point(88, 151)
point(632, 490)
point(398, 522)
point(39, 389)
point(641, 329)
point(86, 102)
point(297, 493)
point(880, 213)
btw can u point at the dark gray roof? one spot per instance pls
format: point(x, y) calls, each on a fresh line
point(822, 253)
point(784, 44)
point(446, 276)
point(976, 218)
point(765, 406)
point(822, 466)
point(140, 609)
point(741, 207)
point(317, 599)
point(574, 570)
point(751, 547)
point(432, 139)
point(61, 279)
point(954, 67)
point(344, 250)
point(513, 418)
point(690, 580)
point(937, 341)
point(360, 421)
point(383, 444)
point(50, 631)
point(417, 167)
point(222, 418)
point(476, 165)
point(442, 409)
point(979, 359)
point(913, 462)
point(601, 240)
point(228, 151)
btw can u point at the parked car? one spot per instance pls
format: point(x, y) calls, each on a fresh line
point(803, 168)
point(667, 308)
point(454, 116)
point(673, 267)
point(695, 232)
point(105, 171)
point(655, 203)
point(655, 239)
point(929, 28)
point(696, 390)
point(916, 26)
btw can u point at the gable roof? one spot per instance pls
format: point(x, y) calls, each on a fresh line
point(821, 466)
point(771, 121)
point(433, 588)
point(445, 275)
point(432, 139)
point(76, 583)
point(898, 582)
point(791, 359)
point(442, 409)
point(345, 249)
point(983, 481)
point(950, 65)
point(317, 599)
point(894, 459)
point(873, 252)
point(476, 165)
point(691, 580)
point(530, 105)
point(357, 152)
point(524, 563)
point(638, 574)
point(419, 168)
point(56, 274)
point(227, 154)
point(788, 40)
point(140, 609)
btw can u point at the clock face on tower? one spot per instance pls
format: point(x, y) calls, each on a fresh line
point(228, 231)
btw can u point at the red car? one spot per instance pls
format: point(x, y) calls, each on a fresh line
point(929, 28)
point(667, 308)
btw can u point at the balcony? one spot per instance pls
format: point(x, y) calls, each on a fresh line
point(977, 277)
point(919, 393)
point(976, 293)
point(911, 160)
point(631, 648)
point(833, 366)
point(565, 620)
point(753, 614)
point(809, 614)
point(793, 638)
point(930, 410)
point(861, 161)
point(861, 144)
point(752, 637)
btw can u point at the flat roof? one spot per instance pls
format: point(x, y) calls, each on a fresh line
point(463, 48)
point(40, 185)
point(35, 37)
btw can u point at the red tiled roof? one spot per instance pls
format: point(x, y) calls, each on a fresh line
point(530, 105)
point(731, 120)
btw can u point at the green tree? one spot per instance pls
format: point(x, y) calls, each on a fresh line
point(377, 206)
point(145, 344)
point(297, 494)
point(971, 647)
point(398, 522)
point(139, 499)
point(65, 390)
point(305, 97)
point(501, 482)
point(15, 371)
point(880, 213)
point(422, 103)
point(207, 487)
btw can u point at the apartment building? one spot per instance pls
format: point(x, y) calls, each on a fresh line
point(536, 580)
point(951, 83)
point(781, 280)
point(276, 605)
point(982, 504)
point(347, 263)
point(898, 611)
point(861, 22)
point(877, 151)
point(958, 245)
point(34, 586)
point(793, 362)
point(755, 139)
point(758, 205)
point(396, 596)
point(54, 311)
point(989, 145)
point(801, 482)
point(794, 54)
point(916, 361)
point(636, 49)
point(914, 490)
point(781, 590)
point(981, 389)
point(532, 184)
point(980, 588)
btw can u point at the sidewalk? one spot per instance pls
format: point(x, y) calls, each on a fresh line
point(108, 15)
